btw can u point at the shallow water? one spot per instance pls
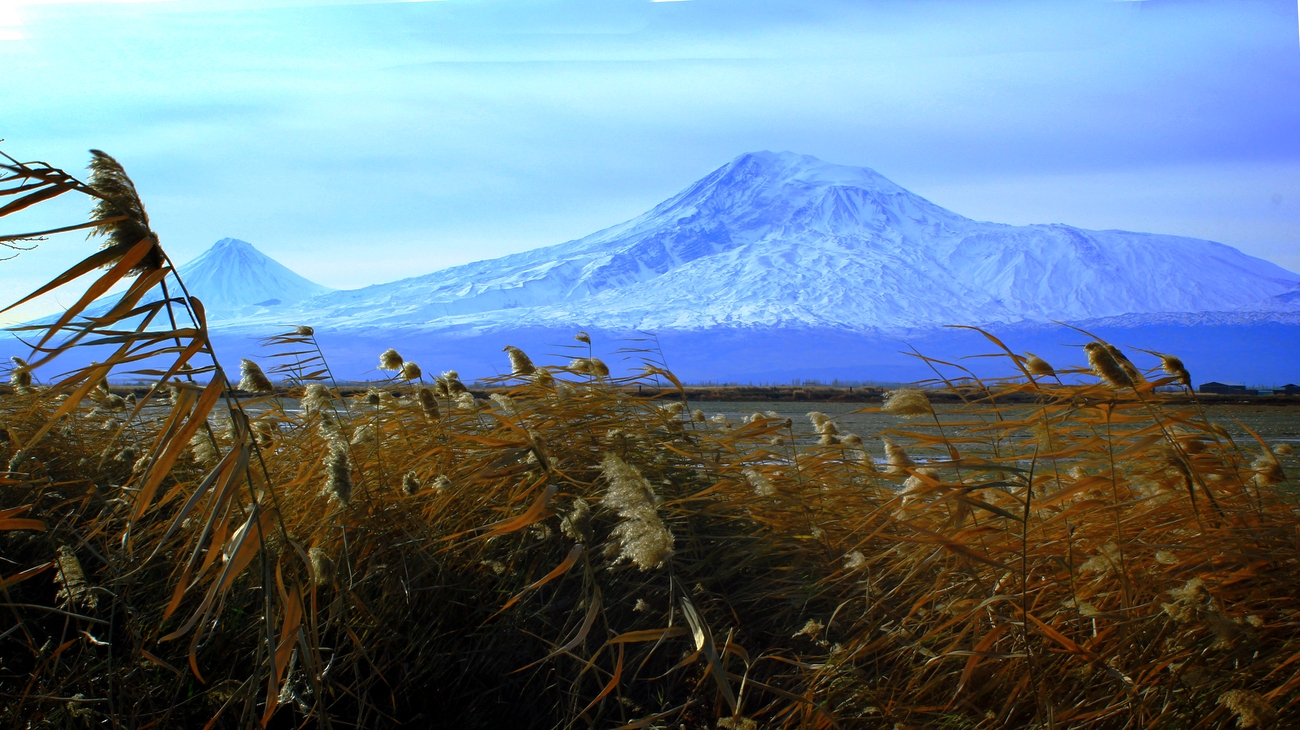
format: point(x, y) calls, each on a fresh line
point(1275, 424)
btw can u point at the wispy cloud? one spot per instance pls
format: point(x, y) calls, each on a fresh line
point(11, 16)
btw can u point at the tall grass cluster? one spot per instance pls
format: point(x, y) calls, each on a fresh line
point(1065, 548)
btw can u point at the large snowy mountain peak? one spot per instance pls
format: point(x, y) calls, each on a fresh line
point(776, 239)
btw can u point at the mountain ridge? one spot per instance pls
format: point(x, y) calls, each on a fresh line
point(780, 266)
point(779, 239)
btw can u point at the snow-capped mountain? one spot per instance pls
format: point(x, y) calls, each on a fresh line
point(786, 240)
point(233, 279)
point(779, 266)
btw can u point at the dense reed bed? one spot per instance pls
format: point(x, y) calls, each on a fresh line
point(1060, 548)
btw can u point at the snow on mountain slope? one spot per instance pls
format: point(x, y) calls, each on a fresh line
point(232, 279)
point(1286, 302)
point(779, 239)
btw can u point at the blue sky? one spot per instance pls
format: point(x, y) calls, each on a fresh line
point(360, 143)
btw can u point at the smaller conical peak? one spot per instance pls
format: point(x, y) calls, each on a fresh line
point(233, 274)
point(233, 245)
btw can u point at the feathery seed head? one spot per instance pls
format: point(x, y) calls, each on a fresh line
point(252, 379)
point(906, 403)
point(519, 363)
point(322, 567)
point(697, 415)
point(1105, 561)
point(329, 426)
point(812, 629)
point(365, 434)
point(1105, 366)
point(896, 457)
point(118, 199)
point(576, 523)
point(853, 440)
point(828, 439)
point(583, 337)
point(1249, 707)
point(505, 403)
point(1268, 470)
point(411, 371)
point(75, 588)
point(317, 398)
point(264, 432)
point(544, 378)
point(589, 366)
point(1191, 592)
point(410, 483)
point(201, 447)
point(762, 486)
point(1174, 366)
point(466, 402)
point(338, 479)
point(1038, 366)
point(449, 385)
point(21, 379)
point(115, 402)
point(390, 360)
point(304, 330)
point(643, 538)
point(428, 402)
point(1283, 450)
point(822, 423)
point(1129, 369)
point(16, 461)
point(855, 560)
point(371, 398)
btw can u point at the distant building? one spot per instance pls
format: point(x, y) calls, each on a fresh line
point(1226, 388)
point(1288, 389)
